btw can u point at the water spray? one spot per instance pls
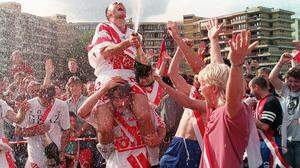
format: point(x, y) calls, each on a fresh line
point(137, 13)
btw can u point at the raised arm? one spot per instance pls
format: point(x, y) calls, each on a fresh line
point(190, 56)
point(181, 97)
point(115, 49)
point(274, 75)
point(20, 116)
point(213, 29)
point(90, 102)
point(49, 70)
point(173, 72)
point(119, 48)
point(32, 131)
point(201, 51)
point(239, 49)
point(141, 56)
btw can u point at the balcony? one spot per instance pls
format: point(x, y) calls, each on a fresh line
point(223, 41)
point(204, 38)
point(282, 28)
point(265, 54)
point(267, 64)
point(238, 21)
point(283, 20)
point(282, 37)
point(225, 32)
point(226, 49)
point(259, 19)
point(237, 30)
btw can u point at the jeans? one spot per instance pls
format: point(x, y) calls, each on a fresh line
point(293, 153)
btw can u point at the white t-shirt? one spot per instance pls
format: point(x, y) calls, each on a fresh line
point(59, 120)
point(107, 34)
point(128, 141)
point(4, 147)
point(291, 111)
point(4, 108)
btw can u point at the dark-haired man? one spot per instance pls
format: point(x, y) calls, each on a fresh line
point(45, 115)
point(144, 77)
point(73, 70)
point(290, 93)
point(268, 116)
point(113, 52)
point(128, 148)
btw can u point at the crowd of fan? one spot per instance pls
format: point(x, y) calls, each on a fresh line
point(273, 99)
point(23, 86)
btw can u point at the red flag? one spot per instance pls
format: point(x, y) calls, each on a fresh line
point(296, 56)
point(163, 49)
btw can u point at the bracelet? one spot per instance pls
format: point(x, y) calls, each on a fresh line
point(238, 65)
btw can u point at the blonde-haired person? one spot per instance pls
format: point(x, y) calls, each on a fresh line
point(215, 75)
point(188, 137)
point(227, 118)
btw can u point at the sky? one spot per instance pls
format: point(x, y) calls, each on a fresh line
point(151, 10)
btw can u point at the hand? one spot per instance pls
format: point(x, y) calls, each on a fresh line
point(240, 48)
point(166, 57)
point(25, 106)
point(4, 147)
point(49, 67)
point(156, 76)
point(213, 28)
point(115, 81)
point(201, 50)
point(152, 139)
point(135, 41)
point(188, 42)
point(43, 128)
point(251, 102)
point(172, 29)
point(150, 53)
point(285, 58)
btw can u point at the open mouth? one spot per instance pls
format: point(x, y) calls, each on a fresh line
point(121, 9)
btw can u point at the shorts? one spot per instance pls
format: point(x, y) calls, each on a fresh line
point(181, 153)
point(128, 159)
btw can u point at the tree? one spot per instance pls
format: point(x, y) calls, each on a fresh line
point(78, 51)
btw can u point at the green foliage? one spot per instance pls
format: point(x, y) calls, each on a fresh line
point(79, 52)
